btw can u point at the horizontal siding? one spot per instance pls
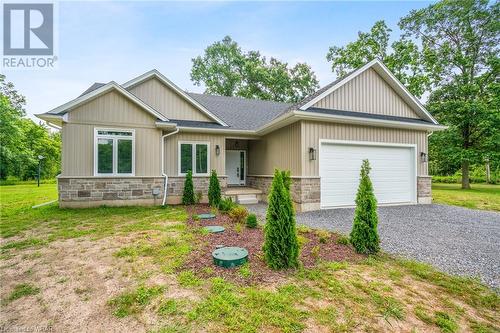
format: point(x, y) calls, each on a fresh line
point(280, 149)
point(172, 153)
point(312, 132)
point(78, 150)
point(367, 92)
point(166, 101)
point(111, 108)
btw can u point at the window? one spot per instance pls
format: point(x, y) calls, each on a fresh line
point(114, 152)
point(194, 156)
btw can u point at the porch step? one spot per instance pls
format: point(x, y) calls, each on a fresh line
point(247, 199)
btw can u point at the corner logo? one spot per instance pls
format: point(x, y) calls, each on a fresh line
point(28, 36)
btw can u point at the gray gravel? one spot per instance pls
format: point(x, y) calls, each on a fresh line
point(454, 239)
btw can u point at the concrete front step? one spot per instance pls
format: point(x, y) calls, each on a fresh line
point(244, 195)
point(247, 199)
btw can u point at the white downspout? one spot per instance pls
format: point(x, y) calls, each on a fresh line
point(163, 164)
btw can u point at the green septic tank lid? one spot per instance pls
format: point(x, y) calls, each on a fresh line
point(214, 228)
point(230, 256)
point(206, 216)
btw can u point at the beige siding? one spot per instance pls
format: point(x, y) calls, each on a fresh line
point(368, 92)
point(172, 151)
point(279, 149)
point(111, 110)
point(166, 101)
point(312, 132)
point(78, 150)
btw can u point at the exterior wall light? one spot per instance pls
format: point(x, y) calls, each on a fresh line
point(423, 157)
point(217, 150)
point(312, 154)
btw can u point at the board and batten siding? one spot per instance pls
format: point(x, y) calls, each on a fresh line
point(166, 101)
point(172, 151)
point(312, 132)
point(111, 110)
point(279, 149)
point(369, 93)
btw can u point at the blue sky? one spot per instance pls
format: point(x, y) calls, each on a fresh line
point(104, 41)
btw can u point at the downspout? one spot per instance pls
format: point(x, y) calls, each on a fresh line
point(163, 164)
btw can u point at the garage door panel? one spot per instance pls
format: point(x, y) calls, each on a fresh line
point(392, 173)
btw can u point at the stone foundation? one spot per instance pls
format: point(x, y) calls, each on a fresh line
point(305, 191)
point(424, 189)
point(175, 188)
point(79, 192)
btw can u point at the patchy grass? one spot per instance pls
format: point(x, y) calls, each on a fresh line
point(123, 269)
point(480, 196)
point(21, 290)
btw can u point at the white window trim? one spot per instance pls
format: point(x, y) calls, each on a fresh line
point(194, 143)
point(115, 151)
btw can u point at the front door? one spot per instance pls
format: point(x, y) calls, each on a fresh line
point(235, 167)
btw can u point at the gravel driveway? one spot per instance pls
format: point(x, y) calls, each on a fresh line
point(454, 239)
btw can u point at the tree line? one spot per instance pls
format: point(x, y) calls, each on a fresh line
point(22, 140)
point(447, 52)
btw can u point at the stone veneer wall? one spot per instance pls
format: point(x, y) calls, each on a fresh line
point(113, 191)
point(175, 188)
point(305, 191)
point(123, 191)
point(424, 189)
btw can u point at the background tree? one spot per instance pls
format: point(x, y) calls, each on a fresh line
point(225, 69)
point(364, 234)
point(281, 247)
point(22, 140)
point(402, 57)
point(460, 52)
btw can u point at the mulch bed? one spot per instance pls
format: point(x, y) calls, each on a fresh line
point(252, 239)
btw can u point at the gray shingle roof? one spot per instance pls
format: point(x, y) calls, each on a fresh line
point(194, 123)
point(93, 87)
point(367, 115)
point(241, 113)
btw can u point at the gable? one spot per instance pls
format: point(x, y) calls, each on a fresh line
point(368, 92)
point(111, 108)
point(167, 101)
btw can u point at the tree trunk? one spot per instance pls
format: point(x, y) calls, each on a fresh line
point(465, 175)
point(488, 173)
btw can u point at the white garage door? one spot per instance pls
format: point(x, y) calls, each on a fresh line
point(393, 173)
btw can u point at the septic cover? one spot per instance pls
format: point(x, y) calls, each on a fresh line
point(230, 256)
point(206, 216)
point(214, 228)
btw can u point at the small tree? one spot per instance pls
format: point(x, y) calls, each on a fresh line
point(364, 235)
point(188, 195)
point(214, 196)
point(281, 247)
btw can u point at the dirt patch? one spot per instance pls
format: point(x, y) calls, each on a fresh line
point(314, 249)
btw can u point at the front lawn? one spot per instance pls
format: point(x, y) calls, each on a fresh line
point(480, 196)
point(148, 269)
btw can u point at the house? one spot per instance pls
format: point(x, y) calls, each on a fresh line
point(133, 143)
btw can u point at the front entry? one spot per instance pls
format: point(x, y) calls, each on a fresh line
point(235, 167)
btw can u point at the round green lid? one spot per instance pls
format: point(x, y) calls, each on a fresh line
point(230, 256)
point(214, 228)
point(206, 216)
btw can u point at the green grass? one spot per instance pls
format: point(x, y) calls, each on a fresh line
point(480, 196)
point(21, 290)
point(370, 295)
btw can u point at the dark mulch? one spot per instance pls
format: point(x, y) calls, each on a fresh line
point(252, 239)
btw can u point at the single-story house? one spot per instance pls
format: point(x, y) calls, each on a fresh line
point(133, 143)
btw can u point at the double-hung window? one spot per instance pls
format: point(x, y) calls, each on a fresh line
point(194, 156)
point(114, 152)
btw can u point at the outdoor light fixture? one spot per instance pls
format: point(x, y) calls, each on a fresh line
point(312, 154)
point(423, 157)
point(217, 150)
point(40, 158)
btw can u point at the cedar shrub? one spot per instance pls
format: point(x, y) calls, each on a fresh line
point(251, 221)
point(364, 235)
point(188, 197)
point(214, 194)
point(281, 247)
